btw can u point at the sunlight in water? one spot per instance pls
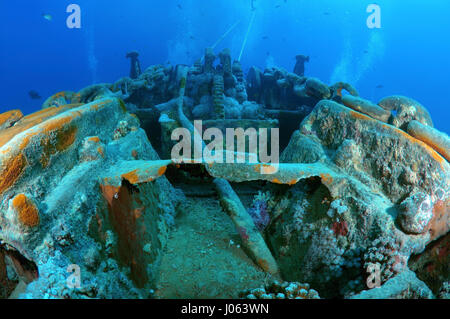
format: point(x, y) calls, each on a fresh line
point(354, 66)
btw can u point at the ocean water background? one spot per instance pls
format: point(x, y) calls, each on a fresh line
point(409, 55)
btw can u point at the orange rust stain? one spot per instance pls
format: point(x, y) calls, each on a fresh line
point(27, 212)
point(263, 264)
point(30, 121)
point(11, 171)
point(132, 177)
point(101, 151)
point(326, 178)
point(269, 169)
point(13, 115)
point(44, 113)
point(277, 181)
point(10, 133)
point(429, 149)
point(60, 142)
point(290, 183)
point(64, 98)
point(77, 113)
point(439, 222)
point(57, 123)
point(162, 170)
point(339, 92)
point(97, 106)
point(94, 139)
point(433, 146)
point(129, 231)
point(7, 150)
point(436, 156)
point(48, 112)
point(109, 192)
point(360, 116)
point(266, 168)
point(26, 140)
point(65, 138)
point(134, 153)
point(138, 212)
point(60, 94)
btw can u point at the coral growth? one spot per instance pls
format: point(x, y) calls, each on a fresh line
point(416, 213)
point(389, 255)
point(122, 130)
point(284, 290)
point(7, 119)
point(62, 98)
point(11, 171)
point(260, 211)
point(27, 212)
point(57, 140)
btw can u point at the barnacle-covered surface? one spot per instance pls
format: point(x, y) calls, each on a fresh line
point(63, 201)
point(88, 181)
point(285, 290)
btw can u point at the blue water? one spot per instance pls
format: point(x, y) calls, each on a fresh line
point(409, 55)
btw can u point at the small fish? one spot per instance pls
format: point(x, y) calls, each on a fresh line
point(179, 6)
point(47, 17)
point(265, 37)
point(365, 51)
point(379, 86)
point(277, 6)
point(34, 95)
point(326, 13)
